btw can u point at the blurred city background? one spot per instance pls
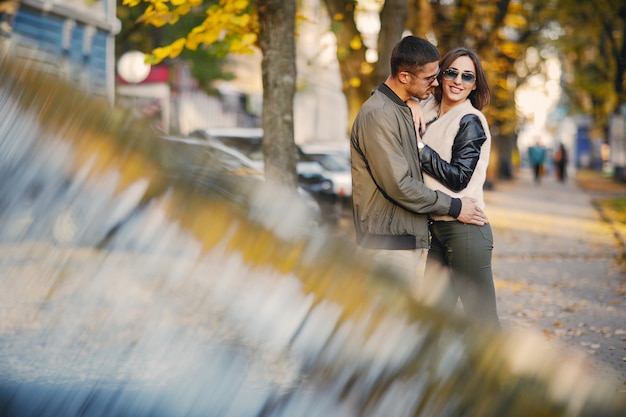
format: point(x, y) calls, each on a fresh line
point(129, 282)
point(556, 68)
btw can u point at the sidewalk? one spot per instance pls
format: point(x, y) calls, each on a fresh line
point(602, 188)
point(557, 270)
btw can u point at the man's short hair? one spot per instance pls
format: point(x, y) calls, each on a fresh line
point(412, 53)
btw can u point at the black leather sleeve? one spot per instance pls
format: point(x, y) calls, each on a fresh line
point(457, 173)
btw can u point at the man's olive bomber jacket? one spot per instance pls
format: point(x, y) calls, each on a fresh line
point(389, 199)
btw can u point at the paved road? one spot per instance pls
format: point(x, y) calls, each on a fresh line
point(556, 270)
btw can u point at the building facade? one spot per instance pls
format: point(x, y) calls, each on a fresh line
point(73, 38)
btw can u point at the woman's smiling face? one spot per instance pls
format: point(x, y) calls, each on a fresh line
point(456, 86)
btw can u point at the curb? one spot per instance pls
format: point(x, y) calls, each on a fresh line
point(616, 232)
point(589, 184)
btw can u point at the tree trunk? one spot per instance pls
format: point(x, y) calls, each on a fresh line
point(360, 77)
point(620, 64)
point(502, 167)
point(356, 74)
point(278, 67)
point(392, 24)
point(420, 17)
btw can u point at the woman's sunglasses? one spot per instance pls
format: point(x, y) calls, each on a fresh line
point(467, 77)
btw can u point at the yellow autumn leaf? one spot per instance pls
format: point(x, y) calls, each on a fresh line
point(206, 37)
point(234, 6)
point(236, 46)
point(242, 44)
point(515, 7)
point(161, 7)
point(249, 38)
point(516, 21)
point(242, 21)
point(151, 59)
point(356, 43)
point(197, 29)
point(209, 38)
point(300, 18)
point(160, 20)
point(366, 68)
point(355, 82)
point(161, 53)
point(222, 19)
point(212, 9)
point(177, 47)
point(182, 9)
point(232, 21)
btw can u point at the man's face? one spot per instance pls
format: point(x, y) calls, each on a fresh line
point(421, 84)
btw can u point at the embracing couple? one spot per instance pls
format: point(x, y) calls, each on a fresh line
point(419, 152)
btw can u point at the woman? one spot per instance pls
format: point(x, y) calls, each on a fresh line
point(454, 153)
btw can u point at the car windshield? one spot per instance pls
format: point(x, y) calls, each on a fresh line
point(330, 162)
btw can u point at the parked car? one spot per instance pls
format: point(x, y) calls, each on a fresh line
point(210, 166)
point(248, 141)
point(334, 158)
point(311, 175)
point(201, 156)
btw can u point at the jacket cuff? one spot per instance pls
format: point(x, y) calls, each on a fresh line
point(455, 207)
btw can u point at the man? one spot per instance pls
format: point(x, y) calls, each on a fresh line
point(390, 201)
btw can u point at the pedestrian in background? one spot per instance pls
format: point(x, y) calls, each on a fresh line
point(455, 157)
point(537, 158)
point(560, 162)
point(390, 200)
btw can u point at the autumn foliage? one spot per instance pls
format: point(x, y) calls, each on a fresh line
point(231, 22)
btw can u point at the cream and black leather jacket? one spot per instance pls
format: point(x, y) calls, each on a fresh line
point(390, 201)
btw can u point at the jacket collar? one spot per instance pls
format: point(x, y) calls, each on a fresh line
point(384, 88)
